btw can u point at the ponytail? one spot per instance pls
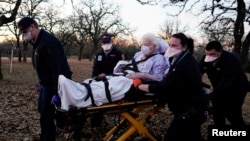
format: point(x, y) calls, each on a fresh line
point(185, 41)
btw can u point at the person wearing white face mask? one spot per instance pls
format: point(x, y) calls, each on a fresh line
point(104, 63)
point(150, 64)
point(182, 90)
point(49, 60)
point(106, 59)
point(229, 82)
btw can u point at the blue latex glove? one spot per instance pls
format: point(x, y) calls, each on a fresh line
point(55, 99)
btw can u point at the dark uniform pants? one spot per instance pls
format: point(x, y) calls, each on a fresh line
point(46, 110)
point(229, 108)
point(185, 129)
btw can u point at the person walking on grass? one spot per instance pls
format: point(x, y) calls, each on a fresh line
point(49, 61)
point(229, 83)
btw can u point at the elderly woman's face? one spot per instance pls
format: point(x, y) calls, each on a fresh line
point(146, 43)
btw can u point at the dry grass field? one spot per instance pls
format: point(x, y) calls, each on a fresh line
point(19, 118)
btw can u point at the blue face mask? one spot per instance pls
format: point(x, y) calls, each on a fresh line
point(145, 50)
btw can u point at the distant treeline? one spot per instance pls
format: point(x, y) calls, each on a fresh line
point(128, 51)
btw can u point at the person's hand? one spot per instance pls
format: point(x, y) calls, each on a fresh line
point(137, 82)
point(55, 99)
point(102, 75)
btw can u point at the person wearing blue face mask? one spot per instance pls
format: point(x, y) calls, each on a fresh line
point(151, 64)
point(229, 82)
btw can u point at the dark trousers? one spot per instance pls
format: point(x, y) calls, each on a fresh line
point(229, 108)
point(185, 129)
point(46, 110)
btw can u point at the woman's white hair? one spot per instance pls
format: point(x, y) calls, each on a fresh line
point(152, 38)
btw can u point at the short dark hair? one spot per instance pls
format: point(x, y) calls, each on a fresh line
point(214, 45)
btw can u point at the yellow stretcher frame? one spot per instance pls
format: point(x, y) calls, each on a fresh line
point(136, 124)
point(127, 110)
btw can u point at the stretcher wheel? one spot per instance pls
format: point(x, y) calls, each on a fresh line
point(68, 121)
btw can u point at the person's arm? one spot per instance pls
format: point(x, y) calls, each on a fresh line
point(143, 87)
point(156, 72)
point(95, 70)
point(53, 59)
point(142, 75)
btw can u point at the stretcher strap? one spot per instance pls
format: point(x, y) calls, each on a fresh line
point(106, 84)
point(90, 94)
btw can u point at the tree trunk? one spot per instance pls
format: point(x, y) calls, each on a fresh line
point(25, 50)
point(1, 74)
point(239, 29)
point(80, 53)
point(19, 51)
point(245, 48)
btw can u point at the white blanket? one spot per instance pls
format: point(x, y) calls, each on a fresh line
point(74, 93)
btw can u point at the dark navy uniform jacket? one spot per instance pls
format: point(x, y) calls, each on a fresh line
point(226, 75)
point(49, 60)
point(105, 63)
point(182, 86)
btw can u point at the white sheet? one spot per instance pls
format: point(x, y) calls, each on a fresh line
point(73, 93)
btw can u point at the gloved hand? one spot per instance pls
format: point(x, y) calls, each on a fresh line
point(55, 99)
point(137, 82)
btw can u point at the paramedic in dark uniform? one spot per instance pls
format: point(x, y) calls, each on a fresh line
point(229, 82)
point(107, 58)
point(104, 63)
point(181, 89)
point(49, 61)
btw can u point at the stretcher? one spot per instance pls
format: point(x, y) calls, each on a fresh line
point(132, 115)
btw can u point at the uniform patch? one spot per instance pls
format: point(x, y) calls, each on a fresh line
point(99, 58)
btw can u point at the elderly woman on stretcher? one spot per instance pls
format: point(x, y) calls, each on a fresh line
point(148, 65)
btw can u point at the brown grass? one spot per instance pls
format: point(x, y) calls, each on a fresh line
point(19, 119)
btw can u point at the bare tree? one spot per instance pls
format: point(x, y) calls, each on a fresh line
point(11, 12)
point(7, 16)
point(27, 7)
point(82, 37)
point(50, 20)
point(235, 12)
point(98, 17)
point(170, 27)
point(66, 34)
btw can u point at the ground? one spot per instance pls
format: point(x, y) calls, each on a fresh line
point(19, 118)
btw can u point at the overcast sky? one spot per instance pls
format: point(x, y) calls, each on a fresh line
point(146, 18)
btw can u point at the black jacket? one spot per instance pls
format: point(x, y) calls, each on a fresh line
point(49, 60)
point(105, 63)
point(182, 86)
point(226, 75)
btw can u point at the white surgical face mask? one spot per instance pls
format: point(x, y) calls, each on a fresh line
point(106, 47)
point(172, 52)
point(27, 36)
point(210, 58)
point(145, 50)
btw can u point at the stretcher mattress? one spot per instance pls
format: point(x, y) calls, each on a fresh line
point(75, 94)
